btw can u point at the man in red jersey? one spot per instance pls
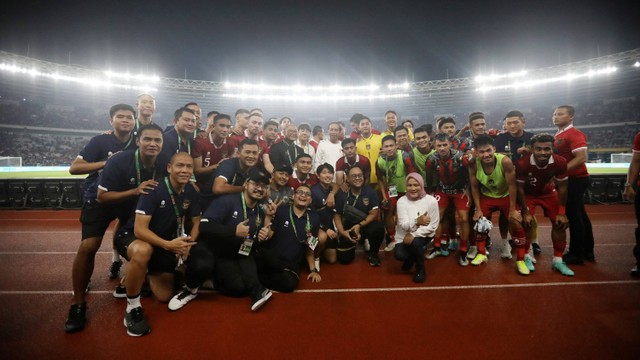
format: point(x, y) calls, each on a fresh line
point(535, 175)
point(571, 144)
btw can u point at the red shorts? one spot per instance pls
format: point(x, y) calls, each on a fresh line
point(393, 201)
point(549, 204)
point(489, 205)
point(460, 201)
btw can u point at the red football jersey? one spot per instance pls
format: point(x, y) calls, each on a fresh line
point(566, 143)
point(538, 181)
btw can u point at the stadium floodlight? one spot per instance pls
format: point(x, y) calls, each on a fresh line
point(496, 77)
point(298, 88)
point(326, 97)
point(92, 81)
point(529, 83)
point(128, 76)
point(636, 64)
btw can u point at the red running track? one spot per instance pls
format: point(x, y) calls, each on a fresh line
point(486, 312)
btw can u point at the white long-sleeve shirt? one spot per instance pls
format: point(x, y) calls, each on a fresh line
point(328, 152)
point(408, 212)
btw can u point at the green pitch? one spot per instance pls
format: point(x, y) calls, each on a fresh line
point(56, 174)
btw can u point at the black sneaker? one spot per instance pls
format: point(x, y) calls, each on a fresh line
point(114, 269)
point(77, 318)
point(572, 259)
point(374, 260)
point(260, 298)
point(589, 257)
point(120, 292)
point(136, 323)
point(420, 276)
point(537, 250)
point(407, 265)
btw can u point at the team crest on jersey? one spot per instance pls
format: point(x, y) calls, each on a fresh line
point(132, 181)
point(365, 201)
point(162, 204)
point(185, 204)
point(559, 142)
point(286, 224)
point(235, 215)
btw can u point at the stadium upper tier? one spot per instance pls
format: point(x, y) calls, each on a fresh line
point(611, 76)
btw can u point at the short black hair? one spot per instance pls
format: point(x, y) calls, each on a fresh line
point(268, 123)
point(325, 166)
point(355, 118)
point(178, 112)
point(213, 112)
point(316, 129)
point(514, 113)
point(475, 116)
point(444, 120)
point(542, 137)
point(144, 128)
point(388, 137)
point(483, 140)
point(570, 109)
point(400, 128)
point(303, 155)
point(304, 126)
point(219, 117)
point(117, 107)
point(348, 141)
point(247, 141)
point(356, 166)
point(442, 137)
point(241, 111)
point(423, 128)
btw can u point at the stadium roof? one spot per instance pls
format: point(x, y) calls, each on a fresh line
point(615, 75)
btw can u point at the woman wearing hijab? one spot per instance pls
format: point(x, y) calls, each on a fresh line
point(418, 218)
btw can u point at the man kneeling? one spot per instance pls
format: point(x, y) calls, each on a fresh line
point(155, 241)
point(289, 243)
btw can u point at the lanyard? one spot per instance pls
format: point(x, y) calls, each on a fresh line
point(180, 143)
point(346, 201)
point(176, 210)
point(138, 178)
point(293, 224)
point(295, 151)
point(128, 142)
point(244, 213)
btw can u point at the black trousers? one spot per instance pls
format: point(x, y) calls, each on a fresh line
point(413, 251)
point(636, 249)
point(346, 250)
point(275, 272)
point(580, 231)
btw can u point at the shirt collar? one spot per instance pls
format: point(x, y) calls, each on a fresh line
point(565, 129)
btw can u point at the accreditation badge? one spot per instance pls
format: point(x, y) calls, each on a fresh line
point(246, 246)
point(312, 241)
point(393, 191)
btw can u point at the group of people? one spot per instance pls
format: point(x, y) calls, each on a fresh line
point(254, 205)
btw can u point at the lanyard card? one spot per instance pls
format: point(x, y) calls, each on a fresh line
point(246, 246)
point(393, 191)
point(312, 242)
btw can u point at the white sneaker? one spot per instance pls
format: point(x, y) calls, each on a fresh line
point(390, 246)
point(367, 246)
point(506, 251)
point(530, 255)
point(181, 299)
point(472, 253)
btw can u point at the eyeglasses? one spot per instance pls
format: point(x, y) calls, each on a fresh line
point(305, 193)
point(357, 176)
point(261, 186)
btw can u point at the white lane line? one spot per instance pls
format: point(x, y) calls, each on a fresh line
point(472, 287)
point(399, 289)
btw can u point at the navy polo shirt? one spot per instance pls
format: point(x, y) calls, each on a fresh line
point(171, 144)
point(230, 171)
point(506, 144)
point(227, 210)
point(319, 205)
point(159, 205)
point(100, 148)
point(365, 202)
point(119, 174)
point(289, 243)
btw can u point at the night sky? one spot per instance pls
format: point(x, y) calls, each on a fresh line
point(283, 42)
